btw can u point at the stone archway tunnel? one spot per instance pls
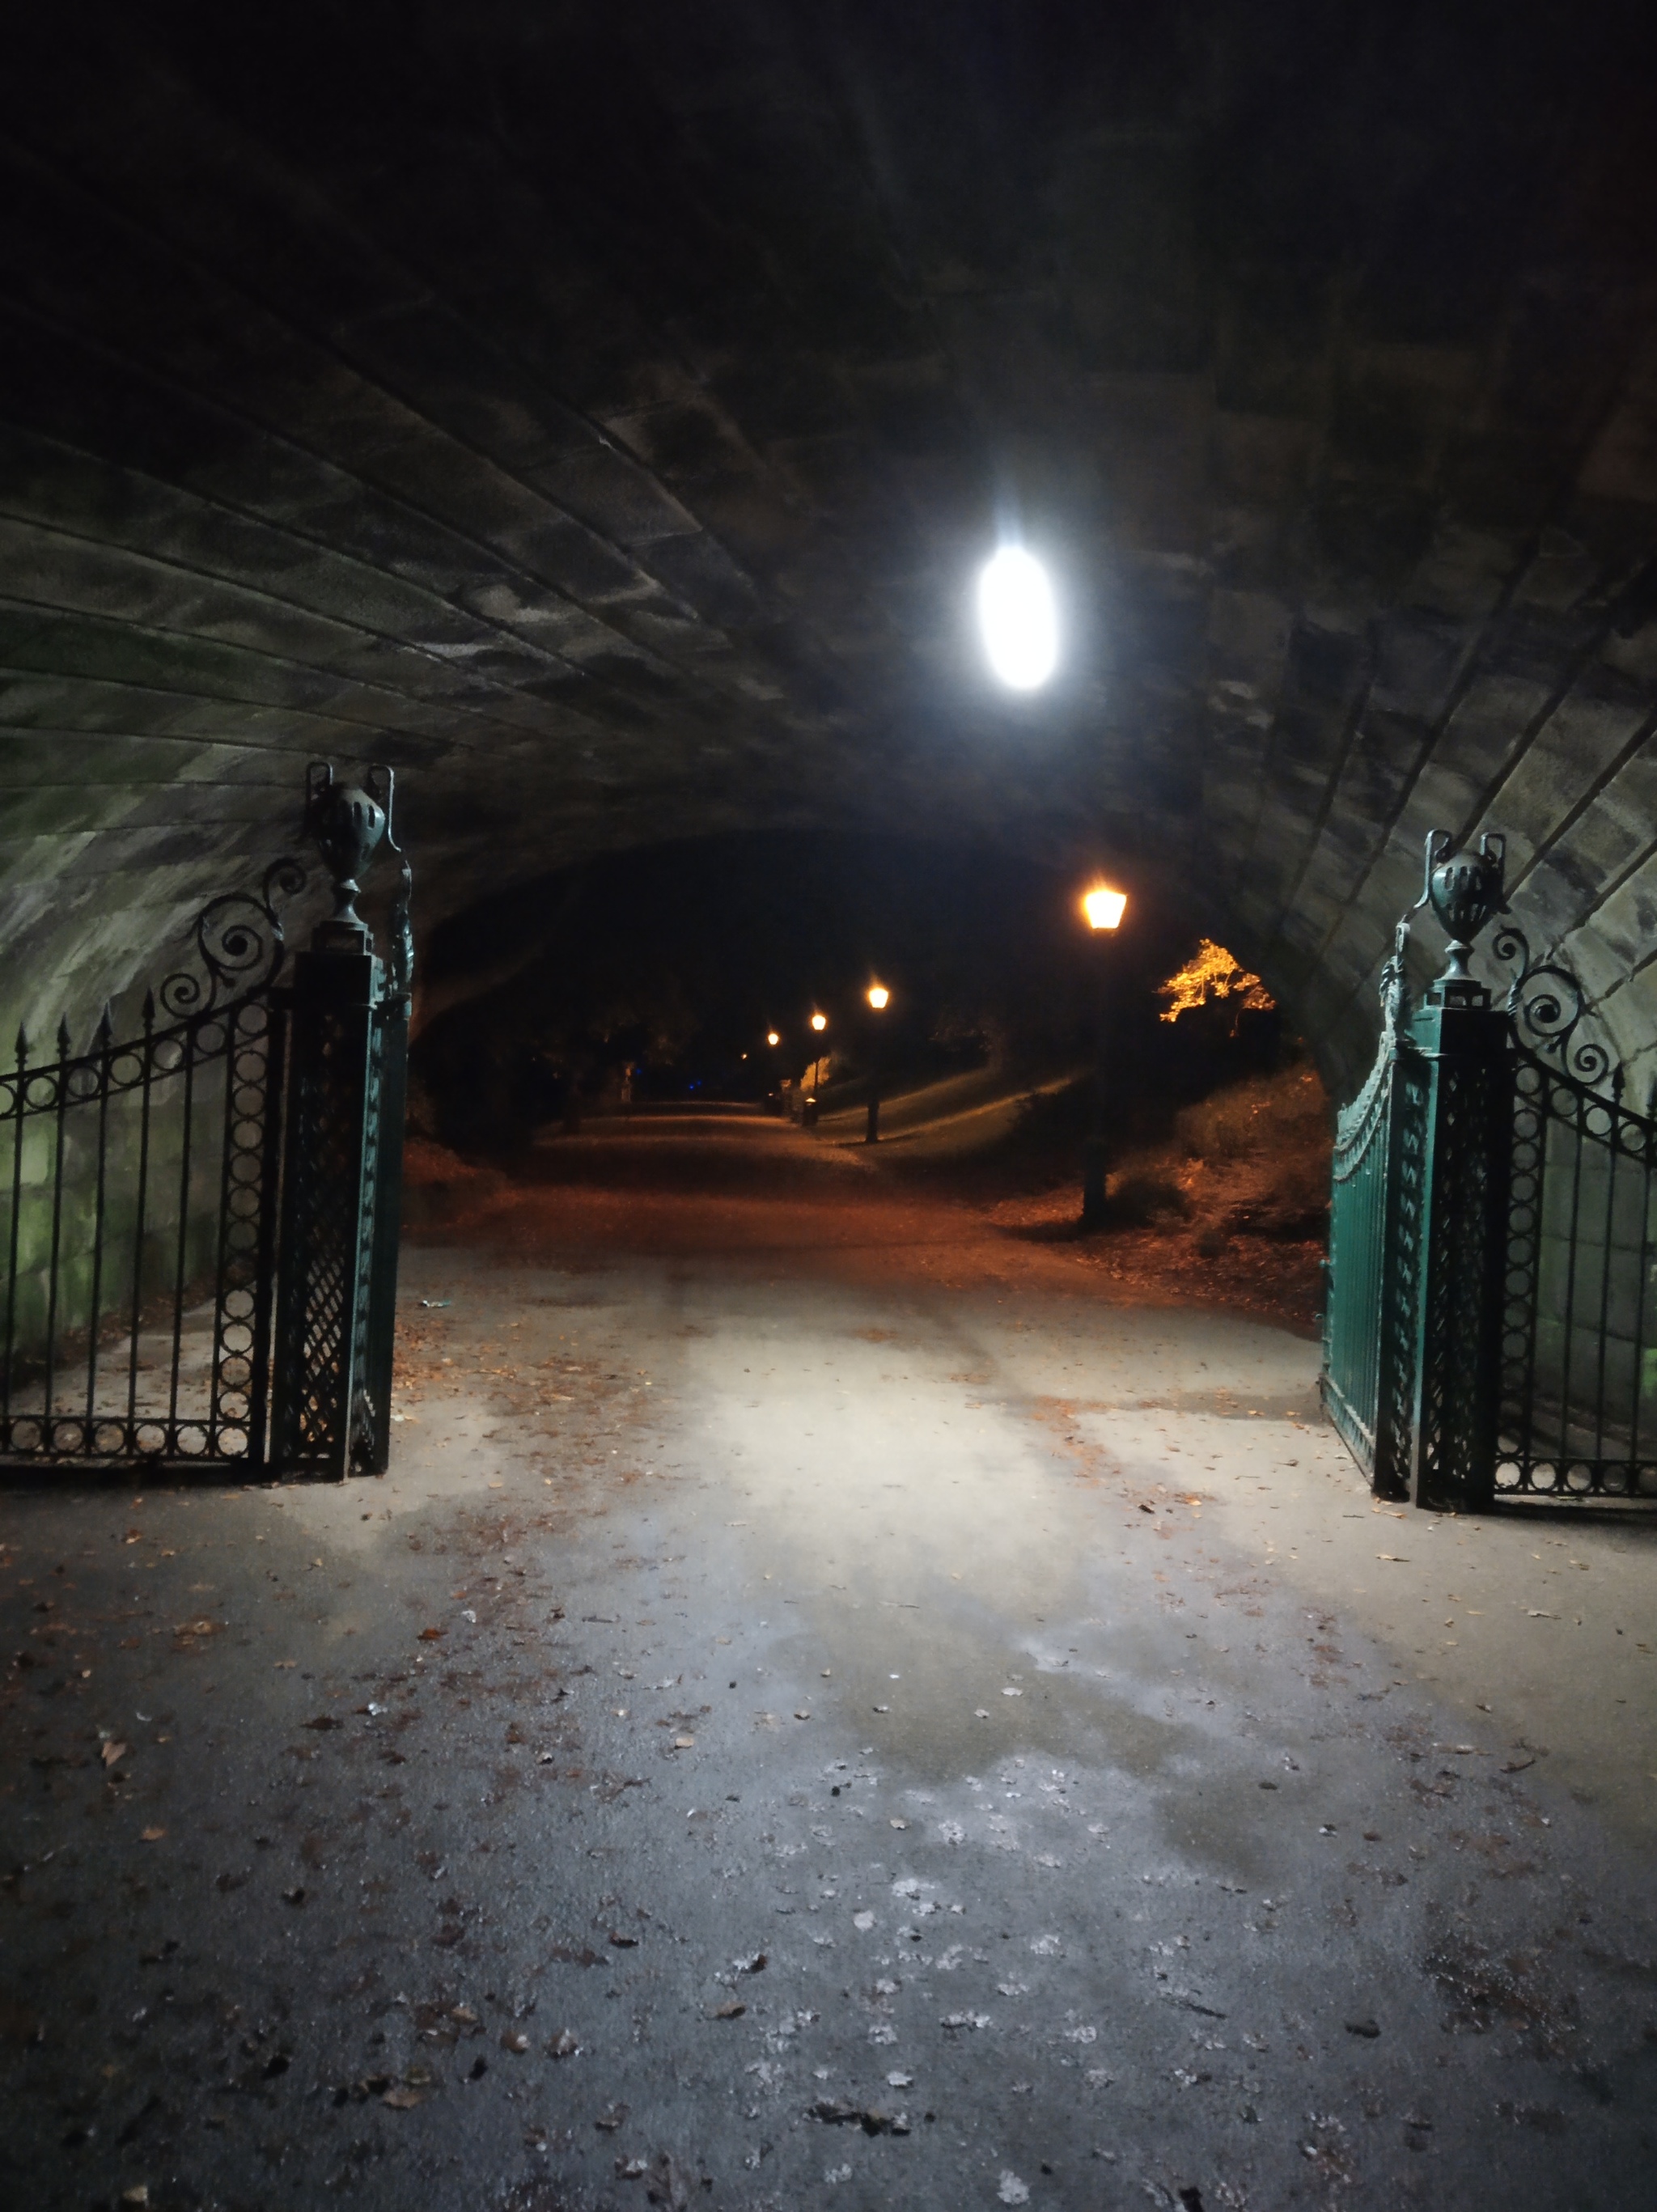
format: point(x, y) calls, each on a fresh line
point(599, 416)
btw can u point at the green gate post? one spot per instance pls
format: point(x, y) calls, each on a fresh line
point(395, 1007)
point(324, 1419)
point(1464, 1044)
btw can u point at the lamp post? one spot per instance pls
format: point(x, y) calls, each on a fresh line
point(1102, 909)
point(809, 1105)
point(879, 999)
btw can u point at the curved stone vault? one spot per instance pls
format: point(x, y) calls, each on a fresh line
point(599, 413)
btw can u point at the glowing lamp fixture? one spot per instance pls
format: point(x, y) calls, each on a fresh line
point(819, 1021)
point(1103, 906)
point(1017, 618)
point(772, 1037)
point(879, 996)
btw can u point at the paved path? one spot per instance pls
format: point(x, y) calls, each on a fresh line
point(927, 1735)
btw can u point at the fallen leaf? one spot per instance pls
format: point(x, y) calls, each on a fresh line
point(563, 2044)
point(154, 1835)
point(1368, 2028)
point(837, 2111)
point(631, 2169)
point(611, 2118)
point(113, 1752)
point(401, 2099)
point(432, 1635)
point(323, 1721)
point(513, 2038)
point(732, 2008)
point(684, 1743)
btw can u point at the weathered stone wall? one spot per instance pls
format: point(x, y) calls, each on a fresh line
point(599, 416)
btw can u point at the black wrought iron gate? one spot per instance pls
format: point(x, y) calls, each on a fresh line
point(198, 1226)
point(1490, 1330)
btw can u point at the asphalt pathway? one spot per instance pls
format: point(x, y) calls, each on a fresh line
point(826, 1709)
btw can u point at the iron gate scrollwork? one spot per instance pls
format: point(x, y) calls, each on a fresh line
point(161, 1198)
point(1490, 1330)
point(1578, 1406)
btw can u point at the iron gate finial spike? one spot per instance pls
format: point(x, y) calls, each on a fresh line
point(22, 1046)
point(64, 1045)
point(149, 1010)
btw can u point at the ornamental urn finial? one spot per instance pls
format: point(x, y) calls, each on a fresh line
point(1466, 890)
point(346, 824)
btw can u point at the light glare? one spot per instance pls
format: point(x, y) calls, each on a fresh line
point(819, 1021)
point(1104, 907)
point(1017, 616)
point(771, 1037)
point(878, 996)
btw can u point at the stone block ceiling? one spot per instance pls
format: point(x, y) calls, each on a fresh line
point(598, 413)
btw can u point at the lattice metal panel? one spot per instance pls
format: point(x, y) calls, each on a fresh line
point(1464, 1221)
point(322, 1266)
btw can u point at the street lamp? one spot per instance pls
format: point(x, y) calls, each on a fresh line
point(1102, 908)
point(772, 1037)
point(808, 1101)
point(1017, 619)
point(879, 999)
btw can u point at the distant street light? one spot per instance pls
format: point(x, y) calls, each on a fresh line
point(1102, 908)
point(1017, 620)
point(819, 1021)
point(772, 1037)
point(879, 998)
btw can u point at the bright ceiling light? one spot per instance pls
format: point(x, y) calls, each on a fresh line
point(1017, 616)
point(1103, 906)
